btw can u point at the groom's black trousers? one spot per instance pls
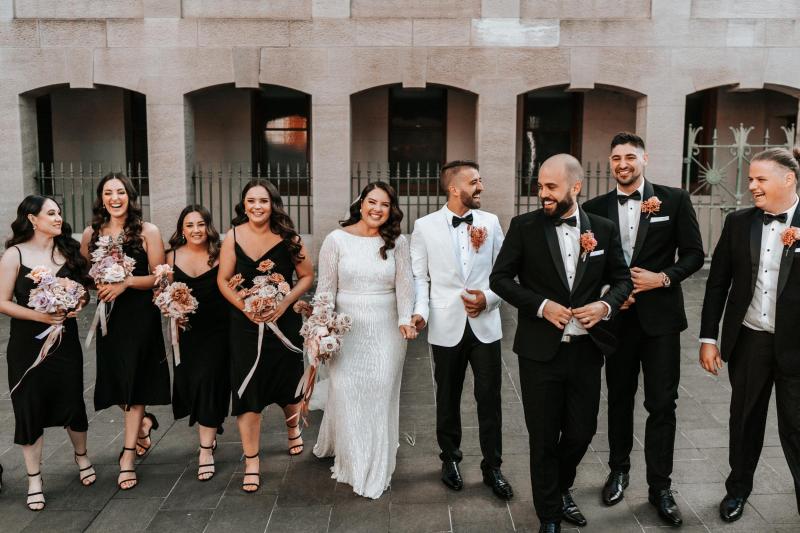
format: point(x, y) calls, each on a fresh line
point(450, 366)
point(561, 398)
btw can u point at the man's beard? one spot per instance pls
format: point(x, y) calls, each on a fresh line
point(562, 206)
point(629, 180)
point(469, 201)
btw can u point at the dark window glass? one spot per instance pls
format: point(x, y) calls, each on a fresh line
point(551, 125)
point(417, 126)
point(281, 120)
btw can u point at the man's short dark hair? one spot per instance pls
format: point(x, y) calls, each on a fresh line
point(626, 137)
point(450, 170)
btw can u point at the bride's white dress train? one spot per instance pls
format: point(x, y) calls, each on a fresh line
point(360, 427)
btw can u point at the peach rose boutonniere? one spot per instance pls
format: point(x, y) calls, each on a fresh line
point(651, 205)
point(588, 244)
point(477, 236)
point(790, 236)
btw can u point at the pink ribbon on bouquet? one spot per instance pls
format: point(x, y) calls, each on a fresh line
point(173, 335)
point(278, 333)
point(52, 337)
point(101, 317)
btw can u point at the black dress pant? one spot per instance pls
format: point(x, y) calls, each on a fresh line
point(450, 367)
point(561, 398)
point(659, 359)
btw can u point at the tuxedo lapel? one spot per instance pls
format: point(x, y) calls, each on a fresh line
point(613, 208)
point(446, 243)
point(644, 222)
point(583, 261)
point(555, 250)
point(476, 222)
point(788, 255)
point(755, 246)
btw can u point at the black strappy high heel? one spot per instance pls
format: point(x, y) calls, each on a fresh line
point(1, 478)
point(298, 437)
point(153, 427)
point(135, 479)
point(38, 501)
point(256, 474)
point(81, 471)
point(213, 470)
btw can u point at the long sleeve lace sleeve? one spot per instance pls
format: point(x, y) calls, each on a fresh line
point(328, 266)
point(404, 281)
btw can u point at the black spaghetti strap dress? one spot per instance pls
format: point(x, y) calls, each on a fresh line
point(201, 387)
point(51, 395)
point(279, 369)
point(132, 366)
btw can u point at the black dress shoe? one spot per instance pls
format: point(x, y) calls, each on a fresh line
point(666, 506)
point(614, 489)
point(549, 527)
point(570, 511)
point(451, 475)
point(501, 488)
point(731, 508)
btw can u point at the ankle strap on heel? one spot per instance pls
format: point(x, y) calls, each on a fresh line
point(250, 456)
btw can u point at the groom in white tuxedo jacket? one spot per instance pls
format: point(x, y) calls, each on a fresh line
point(452, 254)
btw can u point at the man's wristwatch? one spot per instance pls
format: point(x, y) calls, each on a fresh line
point(665, 281)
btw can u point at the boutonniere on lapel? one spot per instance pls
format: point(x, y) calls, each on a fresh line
point(789, 236)
point(588, 244)
point(477, 236)
point(651, 205)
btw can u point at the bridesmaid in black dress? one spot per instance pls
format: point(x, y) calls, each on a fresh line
point(262, 230)
point(201, 387)
point(51, 394)
point(132, 368)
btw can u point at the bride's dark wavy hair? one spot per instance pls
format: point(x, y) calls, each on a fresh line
point(279, 221)
point(133, 220)
point(69, 248)
point(212, 241)
point(389, 230)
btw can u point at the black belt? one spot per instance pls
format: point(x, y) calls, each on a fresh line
point(574, 339)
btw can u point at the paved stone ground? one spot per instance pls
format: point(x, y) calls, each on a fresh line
point(298, 495)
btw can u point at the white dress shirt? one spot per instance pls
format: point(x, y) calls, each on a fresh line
point(629, 215)
point(461, 240)
point(760, 315)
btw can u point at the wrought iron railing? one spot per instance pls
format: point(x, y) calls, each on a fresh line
point(219, 189)
point(74, 185)
point(417, 186)
point(597, 180)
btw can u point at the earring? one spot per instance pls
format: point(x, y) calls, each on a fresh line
point(183, 239)
point(34, 227)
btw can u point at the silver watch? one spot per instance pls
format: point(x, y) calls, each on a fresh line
point(665, 281)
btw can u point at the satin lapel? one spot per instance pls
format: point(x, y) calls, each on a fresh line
point(583, 262)
point(476, 222)
point(613, 208)
point(644, 223)
point(555, 251)
point(788, 256)
point(755, 247)
point(446, 241)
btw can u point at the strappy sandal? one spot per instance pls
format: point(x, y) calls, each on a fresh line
point(256, 474)
point(38, 501)
point(212, 466)
point(298, 437)
point(1, 478)
point(134, 478)
point(153, 427)
point(83, 477)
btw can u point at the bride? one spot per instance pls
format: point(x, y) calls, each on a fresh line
point(367, 265)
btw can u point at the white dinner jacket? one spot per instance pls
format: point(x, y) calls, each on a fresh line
point(439, 280)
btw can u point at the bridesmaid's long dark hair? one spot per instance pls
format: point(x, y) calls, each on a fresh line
point(69, 248)
point(177, 240)
point(279, 221)
point(133, 220)
point(389, 230)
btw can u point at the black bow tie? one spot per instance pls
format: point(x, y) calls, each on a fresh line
point(780, 218)
point(458, 220)
point(623, 198)
point(571, 221)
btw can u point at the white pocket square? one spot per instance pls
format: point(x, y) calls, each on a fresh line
point(597, 252)
point(797, 250)
point(659, 219)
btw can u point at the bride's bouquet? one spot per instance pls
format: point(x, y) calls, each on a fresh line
point(109, 265)
point(266, 294)
point(51, 295)
point(322, 331)
point(175, 301)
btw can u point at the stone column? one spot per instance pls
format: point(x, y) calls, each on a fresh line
point(19, 152)
point(170, 146)
point(496, 133)
point(660, 122)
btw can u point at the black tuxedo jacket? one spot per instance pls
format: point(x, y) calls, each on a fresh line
point(531, 253)
point(660, 311)
point(732, 280)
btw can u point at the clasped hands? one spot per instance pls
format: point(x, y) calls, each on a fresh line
point(474, 304)
point(588, 315)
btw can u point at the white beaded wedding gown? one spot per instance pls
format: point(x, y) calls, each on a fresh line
point(360, 426)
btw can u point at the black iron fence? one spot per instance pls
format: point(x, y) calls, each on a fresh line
point(74, 186)
point(597, 180)
point(219, 189)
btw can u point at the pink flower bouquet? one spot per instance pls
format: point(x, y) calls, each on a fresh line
point(109, 265)
point(175, 301)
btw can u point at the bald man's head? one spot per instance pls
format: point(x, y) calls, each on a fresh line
point(565, 164)
point(559, 183)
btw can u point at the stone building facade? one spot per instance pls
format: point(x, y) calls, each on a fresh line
point(187, 66)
